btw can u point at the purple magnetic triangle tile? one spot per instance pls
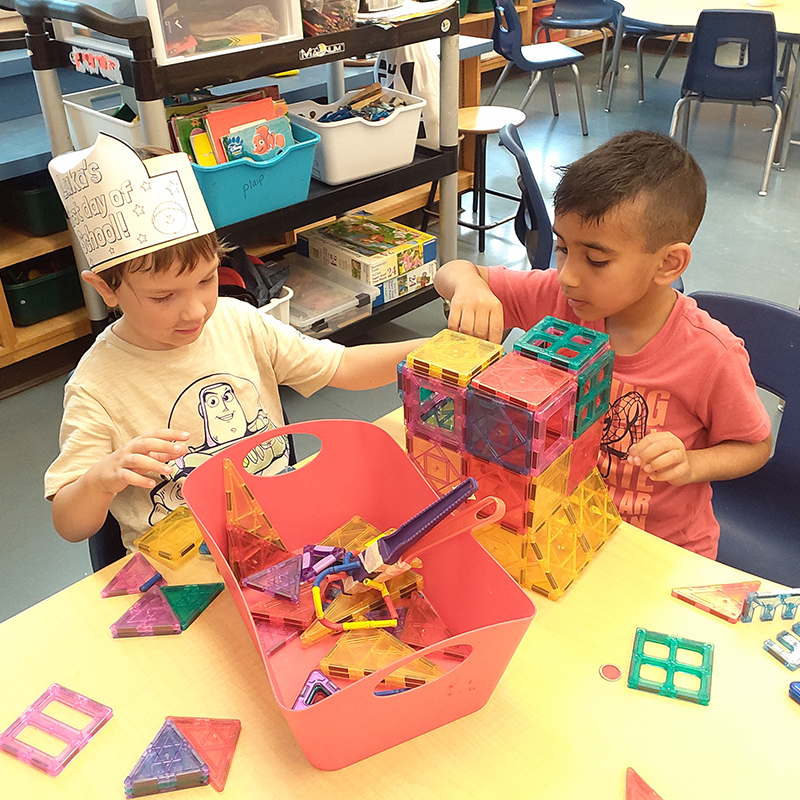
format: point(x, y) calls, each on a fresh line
point(317, 687)
point(151, 615)
point(169, 762)
point(132, 577)
point(280, 580)
point(272, 637)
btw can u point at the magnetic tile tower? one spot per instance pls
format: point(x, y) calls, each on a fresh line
point(527, 426)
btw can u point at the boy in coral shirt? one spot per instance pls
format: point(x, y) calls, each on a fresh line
point(684, 409)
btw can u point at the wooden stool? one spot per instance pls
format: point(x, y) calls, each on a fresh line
point(480, 121)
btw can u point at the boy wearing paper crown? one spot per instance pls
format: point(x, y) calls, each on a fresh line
point(182, 373)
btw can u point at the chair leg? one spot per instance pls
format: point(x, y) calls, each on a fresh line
point(553, 98)
point(670, 50)
point(640, 66)
point(603, 51)
point(679, 107)
point(536, 77)
point(579, 92)
point(428, 206)
point(773, 143)
point(536, 35)
point(503, 76)
point(480, 152)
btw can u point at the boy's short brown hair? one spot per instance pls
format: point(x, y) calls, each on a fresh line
point(638, 165)
point(185, 254)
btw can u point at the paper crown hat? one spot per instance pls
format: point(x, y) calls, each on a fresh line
point(122, 206)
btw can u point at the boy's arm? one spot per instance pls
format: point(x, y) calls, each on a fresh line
point(663, 457)
point(368, 366)
point(80, 507)
point(474, 309)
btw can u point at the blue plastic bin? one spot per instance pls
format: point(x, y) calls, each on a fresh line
point(242, 189)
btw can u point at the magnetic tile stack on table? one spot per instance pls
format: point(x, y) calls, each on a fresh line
point(527, 427)
point(186, 752)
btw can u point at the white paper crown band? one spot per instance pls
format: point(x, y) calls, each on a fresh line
point(122, 207)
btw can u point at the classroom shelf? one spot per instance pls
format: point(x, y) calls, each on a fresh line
point(260, 235)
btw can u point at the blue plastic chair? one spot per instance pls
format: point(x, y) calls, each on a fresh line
point(753, 80)
point(759, 515)
point(573, 15)
point(533, 58)
point(643, 31)
point(532, 222)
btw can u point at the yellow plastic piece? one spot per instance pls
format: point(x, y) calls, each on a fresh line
point(507, 547)
point(360, 653)
point(453, 357)
point(352, 607)
point(172, 540)
point(548, 490)
point(570, 537)
point(595, 511)
point(354, 535)
point(556, 555)
point(243, 510)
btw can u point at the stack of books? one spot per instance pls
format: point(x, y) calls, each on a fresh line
point(254, 125)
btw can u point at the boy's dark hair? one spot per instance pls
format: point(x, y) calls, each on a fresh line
point(186, 254)
point(633, 165)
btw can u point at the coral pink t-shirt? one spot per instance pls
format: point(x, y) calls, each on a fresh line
point(692, 378)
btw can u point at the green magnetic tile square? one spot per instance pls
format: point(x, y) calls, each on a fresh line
point(672, 666)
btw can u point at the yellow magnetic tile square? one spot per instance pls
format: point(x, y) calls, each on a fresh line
point(453, 357)
point(173, 539)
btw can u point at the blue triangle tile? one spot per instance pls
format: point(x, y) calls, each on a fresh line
point(280, 580)
point(168, 763)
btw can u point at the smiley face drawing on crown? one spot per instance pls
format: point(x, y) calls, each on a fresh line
point(122, 206)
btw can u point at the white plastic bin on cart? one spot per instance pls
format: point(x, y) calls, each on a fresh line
point(355, 148)
point(279, 307)
point(90, 113)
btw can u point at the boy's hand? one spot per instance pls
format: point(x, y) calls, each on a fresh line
point(476, 311)
point(663, 457)
point(133, 462)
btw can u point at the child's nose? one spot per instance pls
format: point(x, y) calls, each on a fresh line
point(567, 274)
point(194, 309)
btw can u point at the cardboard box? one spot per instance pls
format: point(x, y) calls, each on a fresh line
point(367, 249)
point(406, 283)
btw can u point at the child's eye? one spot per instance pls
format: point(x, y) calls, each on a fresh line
point(594, 263)
point(557, 248)
point(161, 299)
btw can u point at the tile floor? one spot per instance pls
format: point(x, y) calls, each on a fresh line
point(747, 244)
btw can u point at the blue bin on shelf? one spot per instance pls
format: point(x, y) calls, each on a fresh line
point(242, 189)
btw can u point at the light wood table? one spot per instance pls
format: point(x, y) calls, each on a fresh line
point(684, 14)
point(553, 728)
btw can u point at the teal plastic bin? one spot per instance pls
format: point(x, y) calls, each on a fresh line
point(242, 189)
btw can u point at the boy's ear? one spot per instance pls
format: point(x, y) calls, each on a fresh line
point(675, 259)
point(103, 289)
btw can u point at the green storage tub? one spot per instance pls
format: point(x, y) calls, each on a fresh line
point(44, 297)
point(33, 204)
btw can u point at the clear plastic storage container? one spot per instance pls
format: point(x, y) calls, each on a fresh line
point(325, 300)
point(199, 29)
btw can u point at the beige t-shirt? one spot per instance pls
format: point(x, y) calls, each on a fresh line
point(220, 389)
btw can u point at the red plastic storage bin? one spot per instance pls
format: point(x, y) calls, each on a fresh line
point(360, 469)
